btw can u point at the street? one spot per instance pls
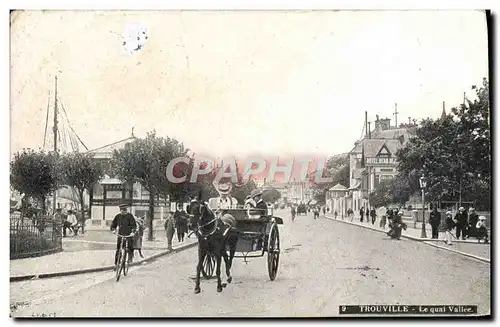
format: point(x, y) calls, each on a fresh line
point(323, 264)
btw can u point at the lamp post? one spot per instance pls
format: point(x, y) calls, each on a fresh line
point(423, 184)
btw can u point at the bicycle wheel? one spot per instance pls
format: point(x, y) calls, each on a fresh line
point(118, 267)
point(125, 263)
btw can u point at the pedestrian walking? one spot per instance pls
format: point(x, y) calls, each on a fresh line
point(367, 215)
point(138, 236)
point(482, 231)
point(373, 215)
point(324, 211)
point(397, 226)
point(472, 222)
point(169, 230)
point(335, 214)
point(450, 224)
point(435, 221)
point(180, 223)
point(361, 213)
point(461, 223)
point(382, 213)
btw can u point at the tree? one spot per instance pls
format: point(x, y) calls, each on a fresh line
point(271, 195)
point(146, 160)
point(453, 153)
point(34, 174)
point(81, 172)
point(382, 195)
point(337, 167)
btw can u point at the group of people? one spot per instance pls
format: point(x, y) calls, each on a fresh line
point(466, 225)
point(176, 221)
point(69, 221)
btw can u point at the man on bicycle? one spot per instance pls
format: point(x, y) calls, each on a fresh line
point(125, 223)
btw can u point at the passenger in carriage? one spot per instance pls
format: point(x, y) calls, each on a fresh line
point(260, 208)
point(225, 200)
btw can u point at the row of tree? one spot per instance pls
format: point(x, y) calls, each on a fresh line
point(453, 153)
point(337, 167)
point(38, 174)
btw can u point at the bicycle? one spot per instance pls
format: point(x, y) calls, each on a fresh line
point(123, 255)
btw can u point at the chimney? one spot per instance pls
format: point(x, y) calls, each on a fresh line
point(369, 130)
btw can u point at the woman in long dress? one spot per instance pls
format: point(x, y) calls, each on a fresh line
point(139, 235)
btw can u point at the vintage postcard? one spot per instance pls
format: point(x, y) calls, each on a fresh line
point(237, 163)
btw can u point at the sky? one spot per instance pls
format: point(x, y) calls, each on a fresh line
point(280, 83)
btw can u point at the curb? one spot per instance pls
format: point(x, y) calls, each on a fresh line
point(99, 269)
point(423, 240)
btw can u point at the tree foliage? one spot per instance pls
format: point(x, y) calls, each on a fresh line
point(271, 195)
point(146, 160)
point(337, 167)
point(34, 174)
point(453, 153)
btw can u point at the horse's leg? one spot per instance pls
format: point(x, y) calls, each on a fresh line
point(218, 258)
point(201, 255)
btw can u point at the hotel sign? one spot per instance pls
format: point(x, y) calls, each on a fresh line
point(376, 161)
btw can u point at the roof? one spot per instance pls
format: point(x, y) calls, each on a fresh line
point(373, 146)
point(394, 133)
point(338, 187)
point(109, 148)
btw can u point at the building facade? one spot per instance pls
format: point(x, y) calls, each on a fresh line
point(110, 192)
point(373, 159)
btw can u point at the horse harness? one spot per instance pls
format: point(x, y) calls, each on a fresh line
point(219, 225)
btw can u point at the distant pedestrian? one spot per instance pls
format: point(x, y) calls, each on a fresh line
point(361, 213)
point(449, 224)
point(138, 236)
point(367, 215)
point(472, 222)
point(461, 223)
point(482, 231)
point(180, 223)
point(350, 213)
point(73, 222)
point(169, 230)
point(324, 211)
point(373, 215)
point(435, 221)
point(335, 214)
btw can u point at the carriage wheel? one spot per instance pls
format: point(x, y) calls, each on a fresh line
point(208, 267)
point(273, 252)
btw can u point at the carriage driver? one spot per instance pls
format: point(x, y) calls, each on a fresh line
point(225, 200)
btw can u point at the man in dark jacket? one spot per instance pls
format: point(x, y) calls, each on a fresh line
point(435, 221)
point(361, 213)
point(473, 219)
point(461, 223)
point(373, 215)
point(124, 224)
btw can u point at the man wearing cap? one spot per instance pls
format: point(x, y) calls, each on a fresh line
point(461, 223)
point(473, 219)
point(124, 224)
point(435, 221)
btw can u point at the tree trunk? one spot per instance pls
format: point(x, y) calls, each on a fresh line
point(80, 195)
point(151, 213)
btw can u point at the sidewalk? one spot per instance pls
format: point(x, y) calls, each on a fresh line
point(85, 260)
point(466, 247)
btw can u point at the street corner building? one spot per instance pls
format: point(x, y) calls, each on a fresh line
point(372, 160)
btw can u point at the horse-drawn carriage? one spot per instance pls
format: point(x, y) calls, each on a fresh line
point(301, 209)
point(256, 237)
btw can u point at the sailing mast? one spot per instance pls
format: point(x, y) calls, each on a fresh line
point(54, 198)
